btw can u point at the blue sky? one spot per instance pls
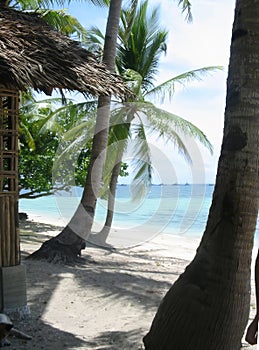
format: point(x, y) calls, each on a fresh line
point(204, 42)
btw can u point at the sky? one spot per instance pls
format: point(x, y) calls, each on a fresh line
point(204, 42)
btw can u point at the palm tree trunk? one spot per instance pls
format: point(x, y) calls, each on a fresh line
point(111, 199)
point(101, 237)
point(208, 306)
point(68, 244)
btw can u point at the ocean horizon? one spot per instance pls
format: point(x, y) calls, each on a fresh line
point(177, 209)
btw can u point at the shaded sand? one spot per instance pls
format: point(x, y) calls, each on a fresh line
point(107, 303)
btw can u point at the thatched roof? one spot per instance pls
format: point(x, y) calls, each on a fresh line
point(34, 55)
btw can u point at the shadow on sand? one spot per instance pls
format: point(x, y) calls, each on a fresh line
point(127, 278)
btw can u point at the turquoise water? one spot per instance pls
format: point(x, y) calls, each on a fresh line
point(171, 209)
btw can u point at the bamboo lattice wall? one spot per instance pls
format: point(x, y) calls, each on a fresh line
point(9, 231)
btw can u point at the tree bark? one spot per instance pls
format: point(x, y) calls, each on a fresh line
point(208, 306)
point(101, 237)
point(68, 244)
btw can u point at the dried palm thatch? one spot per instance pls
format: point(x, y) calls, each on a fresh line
point(34, 55)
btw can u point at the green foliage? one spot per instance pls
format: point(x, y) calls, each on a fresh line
point(141, 50)
point(42, 126)
point(55, 140)
point(35, 166)
point(46, 4)
point(64, 23)
point(141, 42)
point(168, 88)
point(139, 53)
point(186, 7)
point(60, 20)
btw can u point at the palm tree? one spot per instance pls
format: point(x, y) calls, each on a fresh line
point(31, 111)
point(208, 306)
point(137, 60)
point(69, 243)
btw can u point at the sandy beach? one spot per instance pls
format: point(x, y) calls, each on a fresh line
point(107, 303)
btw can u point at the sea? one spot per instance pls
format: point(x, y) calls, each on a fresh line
point(169, 209)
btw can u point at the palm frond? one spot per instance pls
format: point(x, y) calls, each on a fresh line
point(26, 4)
point(95, 40)
point(100, 3)
point(119, 134)
point(186, 7)
point(134, 81)
point(172, 128)
point(141, 164)
point(49, 124)
point(140, 51)
point(26, 134)
point(49, 121)
point(167, 88)
point(127, 19)
point(66, 157)
point(64, 23)
point(35, 4)
point(77, 131)
point(82, 118)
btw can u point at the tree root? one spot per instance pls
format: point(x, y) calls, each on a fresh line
point(57, 252)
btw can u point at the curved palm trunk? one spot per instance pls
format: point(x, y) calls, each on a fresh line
point(208, 306)
point(69, 243)
point(101, 237)
point(111, 200)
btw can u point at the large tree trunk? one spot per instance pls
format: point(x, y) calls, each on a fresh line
point(68, 244)
point(208, 306)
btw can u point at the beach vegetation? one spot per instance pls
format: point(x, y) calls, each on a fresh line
point(42, 125)
point(208, 306)
point(138, 57)
point(69, 243)
point(58, 19)
point(45, 129)
point(137, 61)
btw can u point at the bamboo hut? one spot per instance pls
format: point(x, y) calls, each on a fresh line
point(32, 55)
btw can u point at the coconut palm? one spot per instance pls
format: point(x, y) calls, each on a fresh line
point(52, 119)
point(208, 306)
point(137, 60)
point(69, 243)
point(71, 240)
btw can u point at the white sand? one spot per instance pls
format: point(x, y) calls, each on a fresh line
point(110, 302)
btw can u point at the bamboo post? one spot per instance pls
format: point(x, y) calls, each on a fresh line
point(13, 299)
point(9, 231)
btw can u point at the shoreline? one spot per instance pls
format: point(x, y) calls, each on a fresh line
point(173, 245)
